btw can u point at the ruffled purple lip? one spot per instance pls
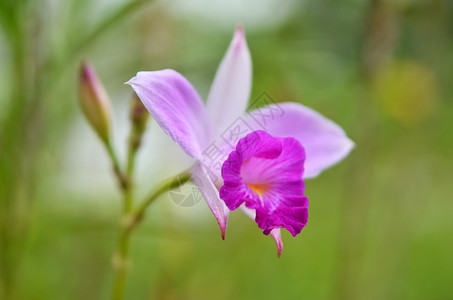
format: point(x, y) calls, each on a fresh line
point(265, 173)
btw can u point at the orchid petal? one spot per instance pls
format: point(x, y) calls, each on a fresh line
point(176, 106)
point(230, 89)
point(324, 141)
point(211, 195)
point(277, 235)
point(265, 173)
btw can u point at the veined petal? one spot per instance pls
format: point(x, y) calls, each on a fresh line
point(211, 195)
point(325, 142)
point(265, 173)
point(230, 89)
point(176, 106)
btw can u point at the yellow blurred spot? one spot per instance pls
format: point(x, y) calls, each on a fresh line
point(407, 91)
point(259, 189)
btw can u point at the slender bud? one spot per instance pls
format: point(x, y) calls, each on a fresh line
point(95, 101)
point(139, 116)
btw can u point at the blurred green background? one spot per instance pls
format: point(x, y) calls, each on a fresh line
point(380, 225)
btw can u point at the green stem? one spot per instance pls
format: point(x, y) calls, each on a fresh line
point(164, 186)
point(120, 258)
point(120, 261)
point(131, 151)
point(129, 222)
point(116, 166)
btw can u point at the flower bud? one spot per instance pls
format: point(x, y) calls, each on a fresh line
point(94, 101)
point(139, 116)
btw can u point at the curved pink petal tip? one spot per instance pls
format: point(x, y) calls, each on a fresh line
point(276, 234)
point(211, 195)
point(239, 38)
point(230, 89)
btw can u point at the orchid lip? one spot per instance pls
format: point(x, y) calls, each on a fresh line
point(265, 173)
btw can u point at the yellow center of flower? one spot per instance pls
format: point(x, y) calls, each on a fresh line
point(259, 188)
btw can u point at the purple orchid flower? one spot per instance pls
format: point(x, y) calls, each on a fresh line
point(262, 168)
